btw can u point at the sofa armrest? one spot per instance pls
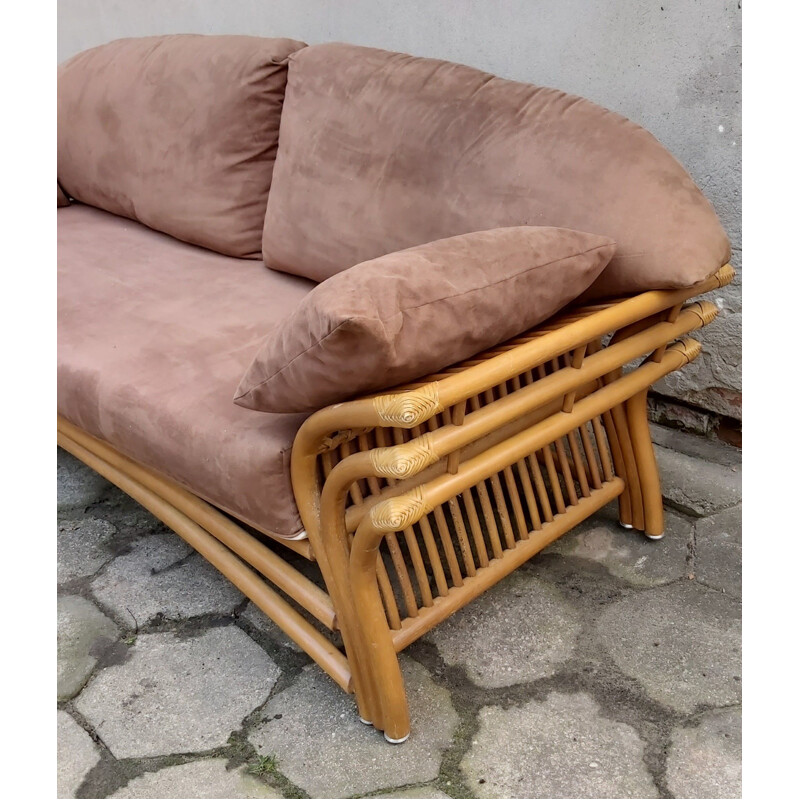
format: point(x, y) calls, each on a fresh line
point(410, 405)
point(643, 321)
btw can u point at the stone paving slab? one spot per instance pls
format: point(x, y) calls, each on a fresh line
point(208, 778)
point(705, 759)
point(178, 695)
point(162, 575)
point(129, 518)
point(313, 723)
point(520, 630)
point(84, 634)
point(629, 554)
point(78, 485)
point(82, 547)
point(76, 755)
point(681, 642)
point(718, 553)
point(697, 487)
point(710, 450)
point(562, 747)
point(261, 622)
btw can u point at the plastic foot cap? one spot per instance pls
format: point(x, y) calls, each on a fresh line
point(364, 721)
point(626, 525)
point(395, 741)
point(655, 538)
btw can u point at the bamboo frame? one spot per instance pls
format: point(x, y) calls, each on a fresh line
point(416, 501)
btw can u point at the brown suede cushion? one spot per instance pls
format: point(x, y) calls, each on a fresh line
point(410, 313)
point(178, 132)
point(153, 336)
point(382, 151)
point(63, 200)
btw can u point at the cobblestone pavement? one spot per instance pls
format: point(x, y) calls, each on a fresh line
point(622, 679)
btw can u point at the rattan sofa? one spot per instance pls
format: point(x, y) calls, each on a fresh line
point(410, 500)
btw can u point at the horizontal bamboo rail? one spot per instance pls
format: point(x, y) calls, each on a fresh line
point(504, 366)
point(355, 513)
point(236, 571)
point(443, 606)
point(400, 512)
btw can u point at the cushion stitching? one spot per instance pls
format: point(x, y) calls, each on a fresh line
point(294, 358)
point(500, 282)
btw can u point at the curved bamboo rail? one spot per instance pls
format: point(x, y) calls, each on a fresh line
point(238, 573)
point(268, 563)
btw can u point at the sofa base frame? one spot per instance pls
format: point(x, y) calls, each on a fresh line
point(417, 501)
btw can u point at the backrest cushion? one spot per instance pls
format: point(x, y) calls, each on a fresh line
point(382, 151)
point(178, 132)
point(410, 313)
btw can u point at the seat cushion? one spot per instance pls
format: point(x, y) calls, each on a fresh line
point(411, 313)
point(382, 151)
point(153, 338)
point(178, 132)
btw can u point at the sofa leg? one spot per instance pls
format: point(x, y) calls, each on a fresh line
point(632, 478)
point(330, 560)
point(395, 741)
point(646, 465)
point(381, 664)
point(620, 469)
